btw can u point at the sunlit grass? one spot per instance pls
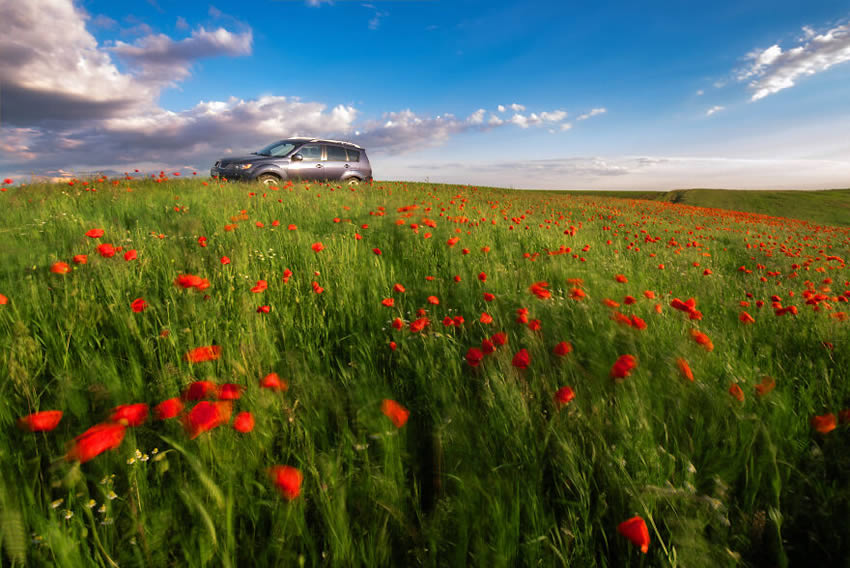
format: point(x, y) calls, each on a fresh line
point(488, 469)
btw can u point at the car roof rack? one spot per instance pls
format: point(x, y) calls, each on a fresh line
point(335, 142)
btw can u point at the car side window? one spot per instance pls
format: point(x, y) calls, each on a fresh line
point(336, 154)
point(353, 156)
point(311, 152)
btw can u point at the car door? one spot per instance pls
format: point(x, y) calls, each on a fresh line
point(337, 161)
point(312, 164)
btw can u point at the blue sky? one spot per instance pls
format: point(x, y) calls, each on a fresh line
point(610, 95)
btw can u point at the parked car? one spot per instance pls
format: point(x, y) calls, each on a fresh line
point(299, 159)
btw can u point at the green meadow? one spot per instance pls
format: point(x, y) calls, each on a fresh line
point(744, 465)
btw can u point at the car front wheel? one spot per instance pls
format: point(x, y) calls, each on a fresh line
point(353, 181)
point(268, 179)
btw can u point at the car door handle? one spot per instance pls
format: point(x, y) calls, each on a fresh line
point(318, 165)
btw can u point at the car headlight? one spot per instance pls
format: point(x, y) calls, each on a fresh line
point(243, 166)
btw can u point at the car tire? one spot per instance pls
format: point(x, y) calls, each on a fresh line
point(353, 181)
point(268, 179)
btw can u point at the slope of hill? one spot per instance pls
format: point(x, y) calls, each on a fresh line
point(827, 207)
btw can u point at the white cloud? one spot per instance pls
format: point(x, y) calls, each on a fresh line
point(593, 112)
point(501, 108)
point(477, 117)
point(161, 56)
point(700, 93)
point(772, 70)
point(517, 107)
point(181, 23)
point(495, 120)
point(566, 126)
point(631, 172)
point(714, 109)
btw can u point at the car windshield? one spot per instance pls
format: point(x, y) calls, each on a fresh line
point(280, 148)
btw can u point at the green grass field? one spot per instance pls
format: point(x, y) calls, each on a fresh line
point(489, 468)
point(826, 207)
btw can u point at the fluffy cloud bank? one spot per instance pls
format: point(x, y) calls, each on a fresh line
point(772, 70)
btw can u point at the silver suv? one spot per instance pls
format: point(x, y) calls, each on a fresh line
point(298, 159)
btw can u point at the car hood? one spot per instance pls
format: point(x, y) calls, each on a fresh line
point(222, 162)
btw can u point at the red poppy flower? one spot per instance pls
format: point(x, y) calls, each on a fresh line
point(685, 369)
point(60, 268)
point(192, 281)
point(736, 392)
point(621, 278)
point(287, 479)
point(562, 349)
point(106, 250)
point(388, 302)
point(43, 421)
point(168, 408)
point(393, 345)
point(766, 385)
point(81, 259)
point(824, 423)
point(264, 309)
point(419, 324)
point(452, 241)
point(398, 323)
point(205, 416)
point(433, 300)
point(487, 347)
point(244, 422)
point(499, 339)
point(488, 297)
point(316, 288)
point(138, 305)
point(746, 318)
point(230, 391)
point(611, 303)
point(395, 412)
point(622, 368)
point(474, 356)
point(486, 318)
point(539, 290)
point(521, 359)
point(292, 227)
point(95, 441)
point(377, 251)
point(94, 233)
point(131, 254)
point(482, 276)
point(225, 260)
point(202, 354)
point(577, 294)
point(563, 396)
point(199, 390)
point(260, 286)
point(702, 339)
point(636, 531)
point(274, 382)
point(649, 294)
point(130, 414)
point(317, 247)
point(398, 288)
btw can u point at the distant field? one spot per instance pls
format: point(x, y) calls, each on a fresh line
point(828, 207)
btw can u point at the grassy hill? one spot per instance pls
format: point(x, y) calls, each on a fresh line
point(827, 207)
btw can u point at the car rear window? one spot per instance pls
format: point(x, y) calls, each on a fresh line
point(353, 155)
point(336, 154)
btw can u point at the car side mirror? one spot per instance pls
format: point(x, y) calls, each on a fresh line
point(297, 157)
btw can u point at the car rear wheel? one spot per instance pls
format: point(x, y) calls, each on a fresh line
point(353, 181)
point(268, 179)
